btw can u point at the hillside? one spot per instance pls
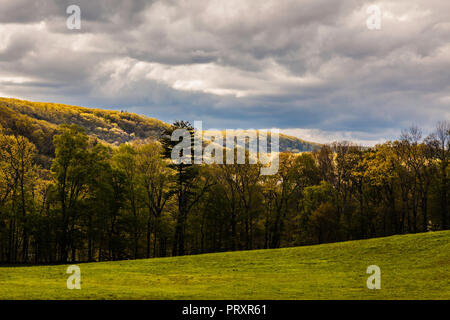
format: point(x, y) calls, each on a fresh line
point(38, 121)
point(414, 266)
point(294, 144)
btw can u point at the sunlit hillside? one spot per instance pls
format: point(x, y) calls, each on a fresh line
point(38, 121)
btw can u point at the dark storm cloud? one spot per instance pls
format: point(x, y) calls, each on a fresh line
point(299, 65)
point(25, 11)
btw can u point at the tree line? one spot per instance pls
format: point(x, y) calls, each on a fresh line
point(99, 202)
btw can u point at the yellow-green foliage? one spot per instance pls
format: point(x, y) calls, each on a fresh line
point(109, 126)
point(39, 121)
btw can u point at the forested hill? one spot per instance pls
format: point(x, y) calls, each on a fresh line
point(38, 121)
point(294, 144)
point(114, 127)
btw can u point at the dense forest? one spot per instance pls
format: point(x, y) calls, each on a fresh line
point(69, 195)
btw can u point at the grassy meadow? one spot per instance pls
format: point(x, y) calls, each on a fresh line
point(415, 266)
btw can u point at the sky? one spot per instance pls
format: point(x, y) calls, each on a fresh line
point(313, 68)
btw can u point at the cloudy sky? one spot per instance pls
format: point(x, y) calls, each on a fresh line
point(310, 67)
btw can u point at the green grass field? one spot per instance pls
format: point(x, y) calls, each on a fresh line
point(412, 267)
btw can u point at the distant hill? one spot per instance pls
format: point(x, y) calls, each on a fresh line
point(294, 144)
point(38, 121)
point(110, 126)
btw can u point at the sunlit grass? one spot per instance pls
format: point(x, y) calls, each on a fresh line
point(412, 267)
